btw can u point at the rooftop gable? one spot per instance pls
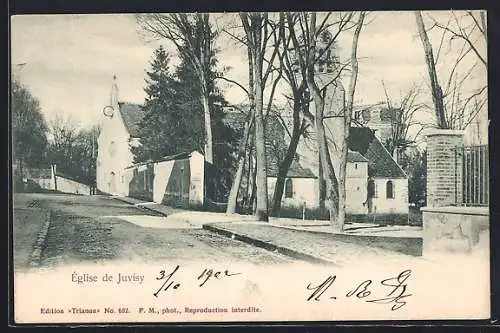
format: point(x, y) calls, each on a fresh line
point(132, 115)
point(295, 171)
point(380, 162)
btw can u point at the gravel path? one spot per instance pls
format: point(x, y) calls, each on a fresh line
point(89, 229)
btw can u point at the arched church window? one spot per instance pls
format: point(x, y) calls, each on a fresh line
point(389, 190)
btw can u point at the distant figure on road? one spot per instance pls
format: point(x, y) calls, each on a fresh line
point(92, 187)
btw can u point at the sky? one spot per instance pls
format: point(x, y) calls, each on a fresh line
point(70, 60)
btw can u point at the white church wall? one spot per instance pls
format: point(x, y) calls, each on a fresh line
point(304, 192)
point(398, 204)
point(114, 153)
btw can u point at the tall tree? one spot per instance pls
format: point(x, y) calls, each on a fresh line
point(313, 51)
point(173, 114)
point(225, 138)
point(455, 106)
point(258, 32)
point(72, 149)
point(299, 104)
point(166, 127)
point(348, 111)
point(29, 128)
point(436, 90)
point(194, 38)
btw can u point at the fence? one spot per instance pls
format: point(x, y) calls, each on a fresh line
point(472, 176)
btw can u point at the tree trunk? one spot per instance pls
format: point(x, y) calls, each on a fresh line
point(331, 193)
point(252, 173)
point(437, 92)
point(247, 136)
point(260, 150)
point(287, 161)
point(235, 186)
point(321, 184)
point(347, 124)
point(209, 157)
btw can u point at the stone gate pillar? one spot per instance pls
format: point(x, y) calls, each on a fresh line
point(444, 171)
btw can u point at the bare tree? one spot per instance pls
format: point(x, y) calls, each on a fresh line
point(257, 33)
point(313, 50)
point(436, 90)
point(300, 105)
point(469, 28)
point(347, 119)
point(454, 106)
point(193, 37)
point(405, 128)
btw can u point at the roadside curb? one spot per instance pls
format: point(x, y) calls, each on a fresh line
point(141, 206)
point(144, 207)
point(268, 245)
point(36, 254)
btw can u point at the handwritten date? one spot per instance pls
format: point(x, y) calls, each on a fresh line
point(395, 290)
point(169, 283)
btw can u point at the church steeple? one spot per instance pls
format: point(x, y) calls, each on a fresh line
point(114, 92)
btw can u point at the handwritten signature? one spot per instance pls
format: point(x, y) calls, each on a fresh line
point(169, 283)
point(396, 290)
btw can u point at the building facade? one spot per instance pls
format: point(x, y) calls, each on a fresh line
point(119, 127)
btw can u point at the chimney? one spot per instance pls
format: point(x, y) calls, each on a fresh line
point(114, 93)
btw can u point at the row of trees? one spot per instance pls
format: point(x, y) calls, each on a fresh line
point(290, 41)
point(38, 143)
point(293, 48)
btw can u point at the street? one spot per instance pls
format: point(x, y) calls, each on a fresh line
point(96, 228)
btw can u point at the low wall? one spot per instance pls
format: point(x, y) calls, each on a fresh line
point(406, 245)
point(65, 185)
point(454, 229)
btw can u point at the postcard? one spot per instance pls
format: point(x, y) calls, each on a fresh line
point(255, 167)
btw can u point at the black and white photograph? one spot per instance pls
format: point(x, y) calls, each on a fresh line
point(250, 167)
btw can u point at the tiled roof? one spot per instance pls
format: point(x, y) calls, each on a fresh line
point(132, 115)
point(354, 156)
point(295, 171)
point(380, 162)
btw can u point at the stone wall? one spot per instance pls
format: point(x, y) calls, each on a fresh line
point(455, 229)
point(448, 227)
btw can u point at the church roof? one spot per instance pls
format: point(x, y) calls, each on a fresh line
point(380, 162)
point(354, 156)
point(295, 171)
point(132, 115)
